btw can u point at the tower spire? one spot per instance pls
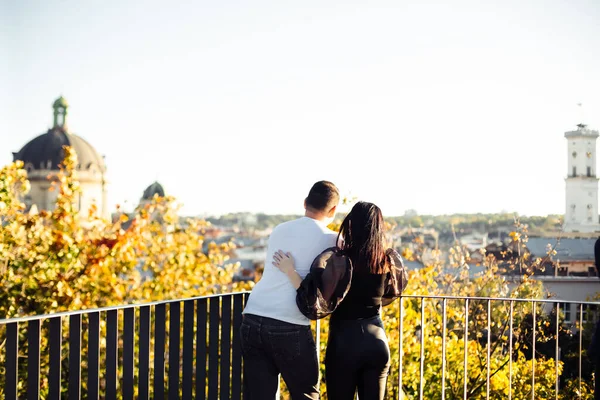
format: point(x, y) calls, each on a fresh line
point(60, 107)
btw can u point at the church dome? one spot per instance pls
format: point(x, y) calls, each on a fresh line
point(154, 189)
point(45, 152)
point(60, 102)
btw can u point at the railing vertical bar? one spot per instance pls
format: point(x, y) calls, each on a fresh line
point(422, 351)
point(93, 385)
point(557, 349)
point(128, 352)
point(444, 323)
point(224, 386)
point(187, 383)
point(400, 349)
point(236, 349)
point(12, 361)
point(466, 353)
point(510, 349)
point(112, 353)
point(534, 328)
point(160, 312)
point(144, 363)
point(489, 356)
point(245, 393)
point(201, 349)
point(580, 343)
point(318, 339)
point(33, 359)
point(54, 373)
point(75, 356)
point(213, 348)
point(174, 338)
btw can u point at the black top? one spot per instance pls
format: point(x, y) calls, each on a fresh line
point(335, 287)
point(364, 297)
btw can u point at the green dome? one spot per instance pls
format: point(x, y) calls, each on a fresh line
point(60, 103)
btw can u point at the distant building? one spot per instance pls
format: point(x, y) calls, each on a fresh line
point(43, 155)
point(581, 184)
point(155, 189)
point(574, 256)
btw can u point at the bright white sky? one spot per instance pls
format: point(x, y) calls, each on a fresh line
point(450, 106)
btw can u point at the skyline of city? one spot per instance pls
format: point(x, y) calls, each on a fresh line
point(230, 107)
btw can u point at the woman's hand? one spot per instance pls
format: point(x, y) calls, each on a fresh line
point(284, 262)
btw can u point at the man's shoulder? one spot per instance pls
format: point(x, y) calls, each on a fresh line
point(284, 226)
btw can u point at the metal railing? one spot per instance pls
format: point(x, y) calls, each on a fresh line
point(500, 333)
point(135, 351)
point(453, 347)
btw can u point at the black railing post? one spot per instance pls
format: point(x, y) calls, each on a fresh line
point(93, 387)
point(213, 349)
point(33, 359)
point(225, 347)
point(54, 373)
point(188, 350)
point(159, 351)
point(128, 352)
point(201, 349)
point(144, 363)
point(75, 356)
point(174, 336)
point(236, 349)
point(112, 353)
point(12, 361)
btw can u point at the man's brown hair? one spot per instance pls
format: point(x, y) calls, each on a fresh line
point(323, 196)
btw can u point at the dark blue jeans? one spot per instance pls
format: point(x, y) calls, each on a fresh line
point(271, 347)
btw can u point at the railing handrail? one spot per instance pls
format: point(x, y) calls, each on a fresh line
point(441, 297)
point(6, 321)
point(154, 303)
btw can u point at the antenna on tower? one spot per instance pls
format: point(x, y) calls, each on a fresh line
point(581, 123)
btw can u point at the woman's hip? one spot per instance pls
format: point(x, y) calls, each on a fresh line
point(364, 339)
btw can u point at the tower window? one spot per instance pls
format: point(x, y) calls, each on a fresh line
point(589, 171)
point(574, 154)
point(574, 171)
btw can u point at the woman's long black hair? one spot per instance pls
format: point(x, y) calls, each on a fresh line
point(362, 238)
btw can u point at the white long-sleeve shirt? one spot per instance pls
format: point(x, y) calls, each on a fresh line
point(274, 296)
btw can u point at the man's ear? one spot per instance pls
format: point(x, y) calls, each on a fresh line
point(331, 212)
point(305, 204)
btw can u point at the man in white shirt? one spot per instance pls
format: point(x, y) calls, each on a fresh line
point(276, 337)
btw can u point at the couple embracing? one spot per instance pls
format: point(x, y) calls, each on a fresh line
point(312, 272)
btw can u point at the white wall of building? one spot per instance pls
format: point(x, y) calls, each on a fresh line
point(581, 184)
point(569, 288)
point(93, 191)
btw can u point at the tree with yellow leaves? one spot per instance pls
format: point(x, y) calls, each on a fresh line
point(60, 260)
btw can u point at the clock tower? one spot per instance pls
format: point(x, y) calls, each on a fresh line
point(581, 213)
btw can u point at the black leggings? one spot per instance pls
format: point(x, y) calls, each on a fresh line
point(357, 358)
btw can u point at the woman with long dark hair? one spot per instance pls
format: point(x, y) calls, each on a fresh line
point(358, 355)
